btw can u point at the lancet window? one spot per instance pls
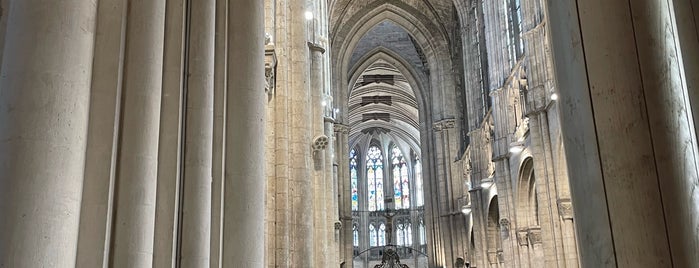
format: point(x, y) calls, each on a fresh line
point(375, 181)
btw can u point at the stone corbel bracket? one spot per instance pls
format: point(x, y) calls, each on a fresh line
point(270, 68)
point(320, 142)
point(316, 47)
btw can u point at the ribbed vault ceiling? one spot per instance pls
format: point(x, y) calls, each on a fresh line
point(382, 102)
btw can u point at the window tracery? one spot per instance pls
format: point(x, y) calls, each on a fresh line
point(354, 180)
point(375, 179)
point(401, 183)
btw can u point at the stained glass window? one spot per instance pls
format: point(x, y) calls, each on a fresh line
point(372, 235)
point(418, 183)
point(374, 176)
point(401, 184)
point(382, 235)
point(353, 178)
point(355, 235)
point(396, 184)
point(379, 187)
point(408, 234)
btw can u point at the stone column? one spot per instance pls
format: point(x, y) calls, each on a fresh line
point(319, 187)
point(167, 203)
point(301, 195)
point(44, 104)
point(219, 135)
point(103, 135)
point(441, 208)
point(196, 208)
point(344, 188)
point(282, 146)
point(244, 206)
point(138, 160)
point(479, 213)
point(687, 20)
point(331, 200)
point(632, 159)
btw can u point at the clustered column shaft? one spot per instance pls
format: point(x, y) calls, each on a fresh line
point(44, 103)
point(138, 156)
point(196, 209)
point(243, 224)
point(111, 74)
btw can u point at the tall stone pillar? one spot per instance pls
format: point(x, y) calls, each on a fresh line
point(301, 195)
point(687, 23)
point(169, 185)
point(441, 208)
point(103, 135)
point(196, 208)
point(44, 103)
point(219, 135)
point(244, 204)
point(479, 213)
point(319, 187)
point(282, 143)
point(344, 188)
point(138, 159)
point(630, 144)
point(331, 200)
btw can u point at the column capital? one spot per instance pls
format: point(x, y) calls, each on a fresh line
point(344, 129)
point(565, 208)
point(534, 235)
point(444, 124)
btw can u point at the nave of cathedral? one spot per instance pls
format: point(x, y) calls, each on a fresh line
point(349, 133)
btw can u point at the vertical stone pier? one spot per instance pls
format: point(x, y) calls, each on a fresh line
point(630, 143)
point(198, 142)
point(44, 104)
point(244, 206)
point(138, 156)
